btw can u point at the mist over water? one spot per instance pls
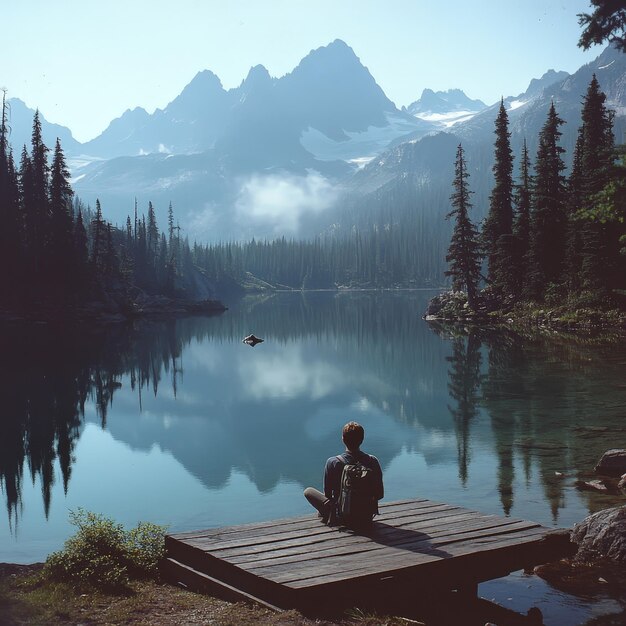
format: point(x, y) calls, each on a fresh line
point(179, 423)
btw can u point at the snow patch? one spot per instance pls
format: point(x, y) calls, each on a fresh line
point(363, 145)
point(361, 162)
point(77, 163)
point(516, 104)
point(446, 120)
point(603, 67)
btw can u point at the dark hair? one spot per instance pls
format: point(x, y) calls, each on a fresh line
point(352, 435)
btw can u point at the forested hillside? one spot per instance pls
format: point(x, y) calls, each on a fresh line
point(547, 238)
point(62, 253)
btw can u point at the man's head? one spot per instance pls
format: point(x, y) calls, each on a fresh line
point(352, 435)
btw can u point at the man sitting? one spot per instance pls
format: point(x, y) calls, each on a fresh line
point(331, 504)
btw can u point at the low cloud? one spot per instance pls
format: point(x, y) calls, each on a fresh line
point(202, 223)
point(279, 202)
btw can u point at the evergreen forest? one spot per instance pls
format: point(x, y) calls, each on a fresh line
point(546, 235)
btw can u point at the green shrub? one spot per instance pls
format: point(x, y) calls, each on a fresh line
point(145, 545)
point(102, 554)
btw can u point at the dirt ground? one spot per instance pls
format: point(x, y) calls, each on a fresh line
point(26, 599)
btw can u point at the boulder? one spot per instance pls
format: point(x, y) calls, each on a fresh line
point(602, 536)
point(447, 305)
point(592, 485)
point(622, 482)
point(612, 463)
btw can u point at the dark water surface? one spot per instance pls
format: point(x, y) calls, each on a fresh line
point(180, 423)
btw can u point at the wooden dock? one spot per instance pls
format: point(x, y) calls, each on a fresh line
point(413, 544)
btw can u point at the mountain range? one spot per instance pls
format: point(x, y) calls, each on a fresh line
point(320, 147)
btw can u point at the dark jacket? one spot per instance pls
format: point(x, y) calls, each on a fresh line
point(334, 468)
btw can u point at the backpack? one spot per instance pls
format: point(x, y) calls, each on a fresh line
point(357, 504)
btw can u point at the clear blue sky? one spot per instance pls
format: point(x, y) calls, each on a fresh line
point(83, 62)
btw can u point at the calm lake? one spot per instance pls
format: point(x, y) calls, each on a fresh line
point(180, 423)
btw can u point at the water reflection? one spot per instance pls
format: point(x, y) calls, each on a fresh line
point(50, 373)
point(465, 380)
point(555, 402)
point(531, 406)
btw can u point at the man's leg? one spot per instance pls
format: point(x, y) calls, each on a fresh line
point(318, 500)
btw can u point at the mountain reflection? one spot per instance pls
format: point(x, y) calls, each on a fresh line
point(541, 404)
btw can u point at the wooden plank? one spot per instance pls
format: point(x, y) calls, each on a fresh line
point(229, 574)
point(379, 533)
point(309, 520)
point(177, 572)
point(339, 567)
point(299, 561)
point(349, 559)
point(379, 530)
point(356, 544)
point(303, 525)
point(298, 578)
point(446, 574)
point(250, 538)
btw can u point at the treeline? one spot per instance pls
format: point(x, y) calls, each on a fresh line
point(547, 237)
point(54, 250)
point(383, 255)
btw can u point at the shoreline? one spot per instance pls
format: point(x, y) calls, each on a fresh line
point(26, 598)
point(450, 307)
point(152, 307)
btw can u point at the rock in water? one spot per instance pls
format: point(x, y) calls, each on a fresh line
point(612, 463)
point(593, 485)
point(251, 340)
point(602, 535)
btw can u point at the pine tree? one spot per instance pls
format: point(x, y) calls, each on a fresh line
point(98, 241)
point(32, 251)
point(111, 266)
point(170, 223)
point(606, 23)
point(152, 234)
point(463, 256)
point(61, 224)
point(40, 202)
point(521, 226)
point(575, 200)
point(547, 213)
point(598, 239)
point(81, 254)
point(498, 226)
point(6, 234)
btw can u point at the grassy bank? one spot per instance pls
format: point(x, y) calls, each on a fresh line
point(106, 574)
point(27, 597)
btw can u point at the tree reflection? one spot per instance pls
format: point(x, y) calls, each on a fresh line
point(544, 404)
point(464, 386)
point(552, 399)
point(49, 375)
